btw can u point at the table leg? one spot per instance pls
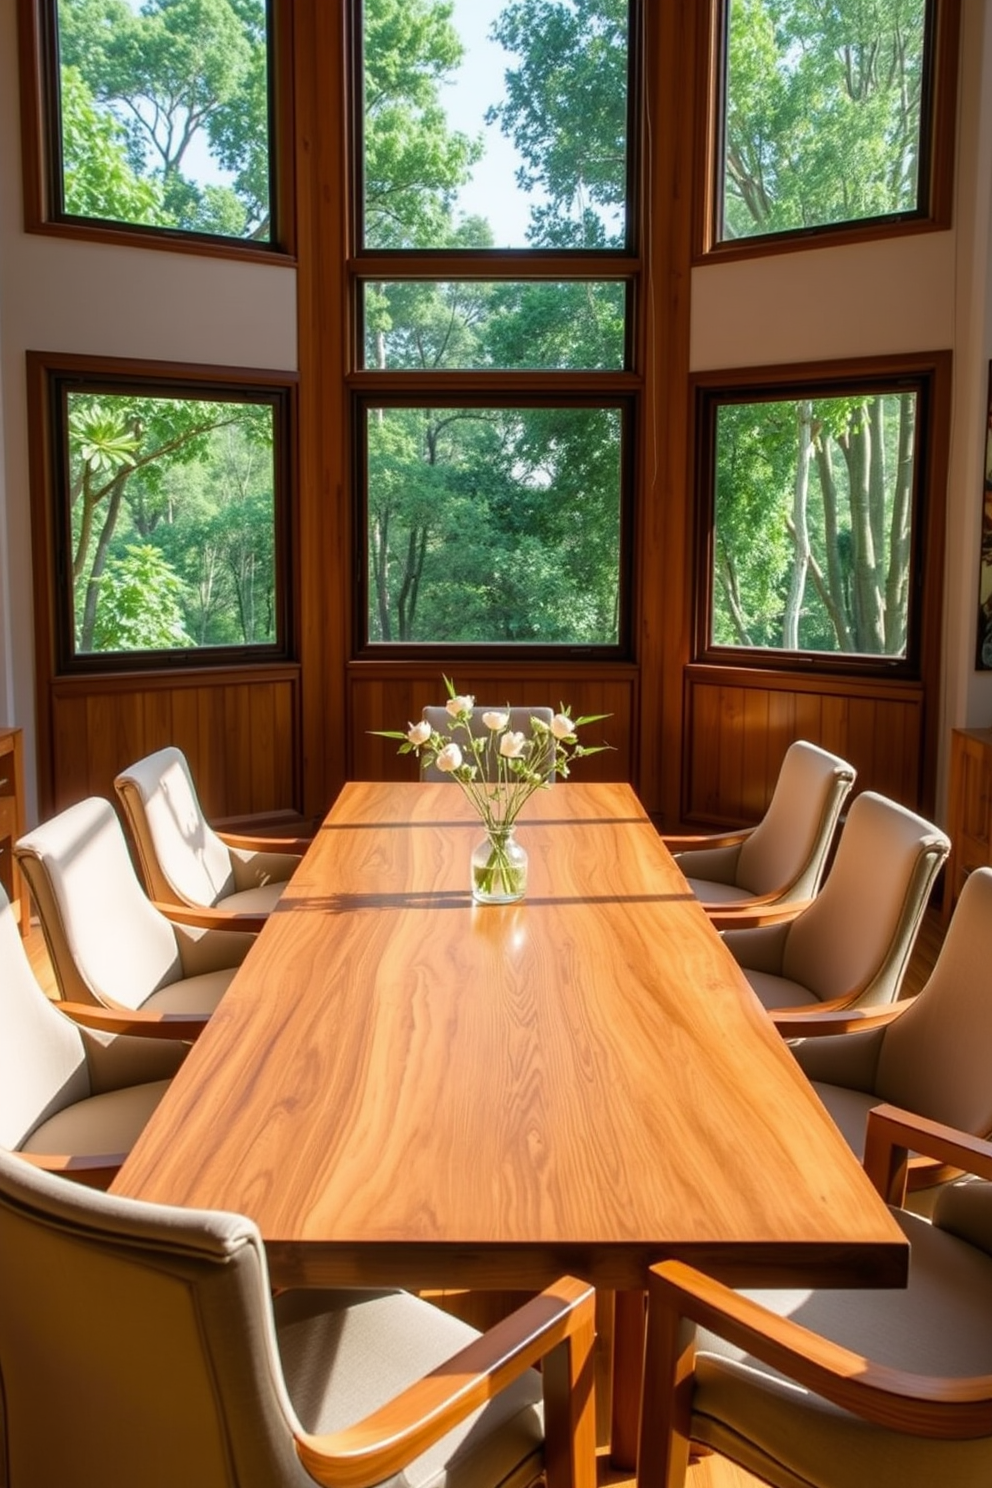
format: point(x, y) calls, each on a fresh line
point(628, 1372)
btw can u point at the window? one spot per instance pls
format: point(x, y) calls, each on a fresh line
point(170, 521)
point(160, 117)
point(829, 115)
point(493, 276)
point(494, 525)
point(813, 535)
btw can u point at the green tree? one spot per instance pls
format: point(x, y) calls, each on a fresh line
point(140, 608)
point(179, 72)
point(98, 179)
point(822, 112)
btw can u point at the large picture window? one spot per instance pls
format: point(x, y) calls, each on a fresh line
point(813, 540)
point(493, 281)
point(170, 521)
point(161, 117)
point(828, 114)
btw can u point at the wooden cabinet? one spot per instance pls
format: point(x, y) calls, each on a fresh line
point(12, 819)
point(969, 822)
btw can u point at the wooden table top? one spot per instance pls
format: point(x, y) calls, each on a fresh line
point(402, 1087)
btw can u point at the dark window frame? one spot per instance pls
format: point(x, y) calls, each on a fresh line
point(41, 136)
point(929, 376)
point(937, 152)
point(51, 378)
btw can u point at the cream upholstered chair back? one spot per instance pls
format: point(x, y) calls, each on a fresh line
point(520, 719)
point(180, 854)
point(786, 853)
point(935, 1059)
point(859, 931)
point(151, 1329)
point(105, 938)
point(43, 1064)
point(790, 844)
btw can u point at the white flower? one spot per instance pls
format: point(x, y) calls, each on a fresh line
point(495, 721)
point(460, 704)
point(419, 733)
point(512, 746)
point(449, 759)
point(562, 726)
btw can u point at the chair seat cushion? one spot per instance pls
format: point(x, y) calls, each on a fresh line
point(196, 994)
point(940, 1325)
point(779, 992)
point(111, 1122)
point(848, 1110)
point(346, 1353)
point(708, 891)
point(259, 900)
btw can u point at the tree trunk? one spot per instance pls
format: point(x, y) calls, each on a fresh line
point(800, 527)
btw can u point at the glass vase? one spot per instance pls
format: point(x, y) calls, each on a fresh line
point(499, 869)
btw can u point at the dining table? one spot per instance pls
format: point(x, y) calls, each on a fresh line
point(403, 1087)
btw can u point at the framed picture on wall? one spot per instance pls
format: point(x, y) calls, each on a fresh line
point(983, 660)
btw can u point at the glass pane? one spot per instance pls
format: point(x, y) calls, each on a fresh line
point(426, 326)
point(822, 113)
point(494, 525)
point(495, 123)
point(172, 505)
point(165, 114)
point(813, 532)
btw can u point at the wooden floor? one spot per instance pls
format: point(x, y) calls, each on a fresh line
point(708, 1472)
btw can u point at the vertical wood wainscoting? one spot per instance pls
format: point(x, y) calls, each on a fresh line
point(384, 696)
point(239, 730)
point(739, 724)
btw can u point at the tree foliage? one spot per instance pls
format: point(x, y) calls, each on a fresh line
point(178, 80)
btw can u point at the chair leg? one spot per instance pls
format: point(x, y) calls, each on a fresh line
point(666, 1403)
point(570, 1408)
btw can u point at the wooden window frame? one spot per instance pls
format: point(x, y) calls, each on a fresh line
point(623, 388)
point(42, 153)
point(937, 152)
point(49, 375)
point(930, 373)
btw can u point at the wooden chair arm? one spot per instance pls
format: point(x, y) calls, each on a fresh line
point(391, 1437)
point(95, 1171)
point(202, 917)
point(811, 1023)
point(921, 1405)
point(891, 1136)
point(726, 917)
point(146, 1024)
point(266, 844)
point(696, 841)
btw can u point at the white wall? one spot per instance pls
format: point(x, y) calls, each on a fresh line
point(76, 296)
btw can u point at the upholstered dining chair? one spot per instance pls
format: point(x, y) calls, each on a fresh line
point(838, 1389)
point(929, 1054)
point(72, 1100)
point(108, 943)
point(520, 722)
point(783, 858)
point(186, 863)
point(155, 1331)
point(849, 946)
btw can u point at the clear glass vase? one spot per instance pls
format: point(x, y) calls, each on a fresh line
point(499, 869)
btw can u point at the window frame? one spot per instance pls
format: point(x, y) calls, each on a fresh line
point(937, 152)
point(368, 650)
point(929, 375)
point(51, 378)
point(495, 388)
point(41, 136)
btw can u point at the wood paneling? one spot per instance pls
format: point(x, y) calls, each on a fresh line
point(384, 696)
point(739, 724)
point(240, 732)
